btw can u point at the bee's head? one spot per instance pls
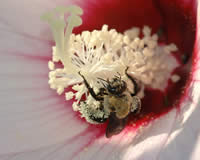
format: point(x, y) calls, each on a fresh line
point(116, 86)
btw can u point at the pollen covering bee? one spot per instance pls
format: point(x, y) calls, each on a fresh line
point(116, 99)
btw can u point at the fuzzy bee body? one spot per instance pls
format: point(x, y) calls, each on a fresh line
point(120, 105)
point(117, 100)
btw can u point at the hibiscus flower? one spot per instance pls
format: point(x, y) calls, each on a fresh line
point(36, 123)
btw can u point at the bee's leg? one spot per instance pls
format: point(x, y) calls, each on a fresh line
point(136, 88)
point(115, 125)
point(97, 98)
point(136, 105)
point(102, 92)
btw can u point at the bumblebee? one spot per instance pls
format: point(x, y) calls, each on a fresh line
point(117, 100)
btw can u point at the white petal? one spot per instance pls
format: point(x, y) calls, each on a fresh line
point(127, 145)
point(31, 115)
point(24, 16)
point(152, 139)
point(184, 143)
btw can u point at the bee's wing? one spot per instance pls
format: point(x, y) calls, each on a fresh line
point(115, 125)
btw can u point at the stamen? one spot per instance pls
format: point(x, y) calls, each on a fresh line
point(175, 78)
point(99, 55)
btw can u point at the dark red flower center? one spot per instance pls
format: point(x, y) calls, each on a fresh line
point(177, 21)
